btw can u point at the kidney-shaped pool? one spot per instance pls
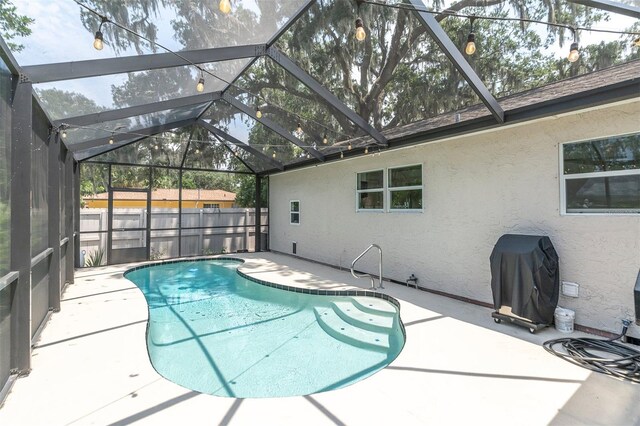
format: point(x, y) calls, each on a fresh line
point(214, 331)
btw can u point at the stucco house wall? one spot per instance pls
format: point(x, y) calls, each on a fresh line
point(477, 187)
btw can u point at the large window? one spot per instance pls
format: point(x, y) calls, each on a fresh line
point(370, 190)
point(403, 189)
point(601, 176)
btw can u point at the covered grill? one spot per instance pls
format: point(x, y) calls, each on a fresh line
point(525, 280)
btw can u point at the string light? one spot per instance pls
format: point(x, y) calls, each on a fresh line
point(361, 34)
point(63, 134)
point(225, 6)
point(299, 129)
point(366, 150)
point(470, 47)
point(574, 53)
point(200, 85)
point(98, 42)
point(197, 150)
point(341, 154)
point(349, 147)
point(274, 154)
point(636, 42)
point(324, 139)
point(258, 112)
point(111, 139)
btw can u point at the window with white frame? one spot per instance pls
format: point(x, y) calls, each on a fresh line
point(601, 176)
point(294, 212)
point(405, 188)
point(370, 191)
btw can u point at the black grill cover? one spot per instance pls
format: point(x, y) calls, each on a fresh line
point(525, 276)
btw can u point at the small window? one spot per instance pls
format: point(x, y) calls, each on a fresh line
point(601, 176)
point(405, 188)
point(294, 212)
point(370, 191)
point(211, 205)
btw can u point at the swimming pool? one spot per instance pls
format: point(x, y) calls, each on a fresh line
point(216, 332)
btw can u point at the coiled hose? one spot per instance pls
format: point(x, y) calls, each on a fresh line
point(601, 355)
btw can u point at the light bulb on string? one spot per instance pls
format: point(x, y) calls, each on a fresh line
point(274, 154)
point(111, 141)
point(258, 112)
point(341, 154)
point(349, 147)
point(636, 42)
point(299, 128)
point(324, 139)
point(574, 52)
point(470, 47)
point(200, 85)
point(366, 150)
point(361, 34)
point(98, 41)
point(225, 6)
point(197, 151)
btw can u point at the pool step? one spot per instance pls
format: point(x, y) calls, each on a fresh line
point(352, 334)
point(374, 305)
point(352, 314)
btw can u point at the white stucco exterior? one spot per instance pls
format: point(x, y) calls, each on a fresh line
point(477, 188)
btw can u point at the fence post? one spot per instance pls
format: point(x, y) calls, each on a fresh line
point(258, 211)
point(201, 231)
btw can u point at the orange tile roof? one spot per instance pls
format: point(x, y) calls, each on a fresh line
point(170, 194)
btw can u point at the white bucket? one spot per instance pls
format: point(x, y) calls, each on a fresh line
point(564, 319)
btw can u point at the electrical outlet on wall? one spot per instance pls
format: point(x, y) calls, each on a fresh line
point(570, 289)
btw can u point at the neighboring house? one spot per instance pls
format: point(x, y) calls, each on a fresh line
point(165, 198)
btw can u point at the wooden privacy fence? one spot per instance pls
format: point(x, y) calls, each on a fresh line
point(204, 231)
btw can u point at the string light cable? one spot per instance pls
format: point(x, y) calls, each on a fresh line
point(158, 140)
point(113, 132)
point(601, 355)
point(451, 13)
point(104, 19)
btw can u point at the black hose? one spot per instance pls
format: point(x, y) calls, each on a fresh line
point(603, 356)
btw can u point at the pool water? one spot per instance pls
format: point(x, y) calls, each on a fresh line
point(215, 332)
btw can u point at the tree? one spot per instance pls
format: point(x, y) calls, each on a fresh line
point(61, 103)
point(13, 25)
point(246, 193)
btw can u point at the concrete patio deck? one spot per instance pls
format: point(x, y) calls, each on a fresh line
point(90, 366)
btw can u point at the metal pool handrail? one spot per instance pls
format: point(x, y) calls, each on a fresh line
point(373, 284)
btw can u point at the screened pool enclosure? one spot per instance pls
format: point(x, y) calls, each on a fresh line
point(127, 102)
